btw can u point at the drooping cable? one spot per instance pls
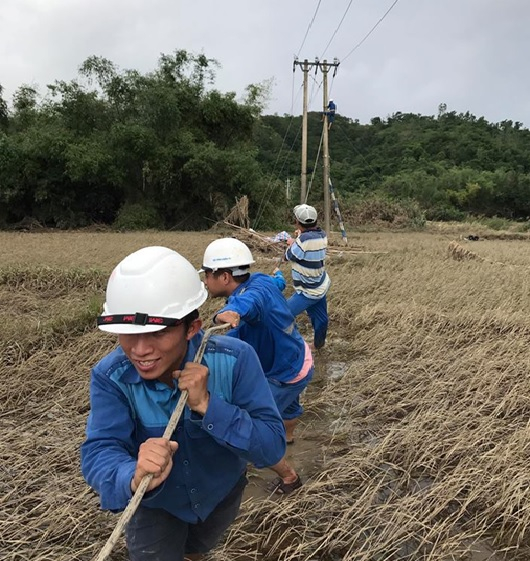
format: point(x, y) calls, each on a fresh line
point(314, 167)
point(272, 177)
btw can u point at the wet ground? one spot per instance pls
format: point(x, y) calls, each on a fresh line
point(311, 440)
point(311, 436)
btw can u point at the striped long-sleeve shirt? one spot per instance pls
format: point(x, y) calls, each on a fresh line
point(307, 255)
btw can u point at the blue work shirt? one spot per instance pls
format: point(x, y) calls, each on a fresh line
point(268, 326)
point(241, 425)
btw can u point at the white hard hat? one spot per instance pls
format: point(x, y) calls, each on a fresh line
point(305, 214)
point(150, 289)
point(228, 253)
point(330, 100)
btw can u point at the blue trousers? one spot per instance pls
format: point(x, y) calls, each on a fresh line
point(317, 310)
point(287, 396)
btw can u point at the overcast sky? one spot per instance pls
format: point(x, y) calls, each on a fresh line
point(468, 54)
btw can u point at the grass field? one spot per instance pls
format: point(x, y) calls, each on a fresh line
point(418, 450)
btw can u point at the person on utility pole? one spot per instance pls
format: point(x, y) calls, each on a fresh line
point(331, 108)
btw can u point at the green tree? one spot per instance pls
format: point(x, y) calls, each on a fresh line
point(3, 110)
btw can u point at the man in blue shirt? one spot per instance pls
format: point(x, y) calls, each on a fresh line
point(331, 109)
point(307, 254)
point(230, 419)
point(258, 312)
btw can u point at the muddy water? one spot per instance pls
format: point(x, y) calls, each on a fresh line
point(310, 436)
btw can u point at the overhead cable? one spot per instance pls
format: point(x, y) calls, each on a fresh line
point(309, 27)
point(336, 30)
point(371, 31)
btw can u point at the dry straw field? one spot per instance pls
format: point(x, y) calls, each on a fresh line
point(418, 449)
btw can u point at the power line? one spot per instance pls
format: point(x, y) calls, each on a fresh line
point(292, 97)
point(313, 93)
point(331, 86)
point(315, 166)
point(269, 187)
point(336, 30)
point(309, 27)
point(371, 31)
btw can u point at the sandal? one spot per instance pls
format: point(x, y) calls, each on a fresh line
point(278, 486)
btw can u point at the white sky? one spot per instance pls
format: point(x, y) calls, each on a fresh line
point(469, 54)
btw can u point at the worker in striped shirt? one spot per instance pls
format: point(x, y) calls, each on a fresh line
point(307, 254)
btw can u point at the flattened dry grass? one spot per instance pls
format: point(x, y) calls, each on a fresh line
point(424, 442)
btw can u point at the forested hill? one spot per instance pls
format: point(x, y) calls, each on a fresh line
point(165, 149)
point(451, 164)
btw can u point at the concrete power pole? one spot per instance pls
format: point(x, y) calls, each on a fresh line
point(305, 66)
point(325, 67)
point(303, 177)
point(288, 190)
point(325, 150)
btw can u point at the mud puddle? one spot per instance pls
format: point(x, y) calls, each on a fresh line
point(311, 436)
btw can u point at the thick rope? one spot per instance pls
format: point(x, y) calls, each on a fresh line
point(127, 514)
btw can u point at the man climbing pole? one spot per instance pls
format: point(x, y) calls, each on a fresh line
point(331, 108)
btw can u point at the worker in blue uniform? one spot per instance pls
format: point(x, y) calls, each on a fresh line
point(230, 419)
point(258, 312)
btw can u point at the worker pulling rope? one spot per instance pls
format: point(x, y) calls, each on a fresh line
point(129, 511)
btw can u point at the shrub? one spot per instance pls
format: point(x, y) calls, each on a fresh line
point(445, 214)
point(495, 222)
point(137, 217)
point(379, 210)
point(523, 226)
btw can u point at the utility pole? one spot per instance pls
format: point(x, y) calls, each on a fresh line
point(288, 189)
point(325, 67)
point(303, 177)
point(305, 66)
point(325, 148)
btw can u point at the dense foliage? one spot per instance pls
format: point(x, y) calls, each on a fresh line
point(166, 149)
point(162, 149)
point(452, 165)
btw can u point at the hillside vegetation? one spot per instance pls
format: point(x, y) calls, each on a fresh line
point(166, 149)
